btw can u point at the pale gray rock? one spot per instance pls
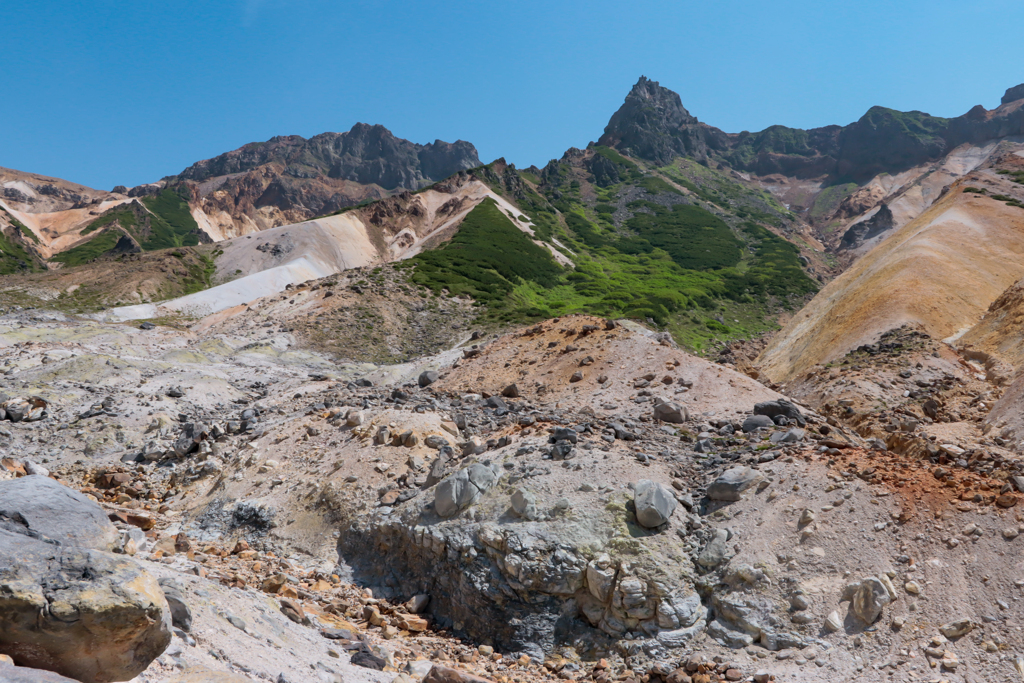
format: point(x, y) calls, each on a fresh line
point(654, 503)
point(671, 412)
point(524, 504)
point(460, 490)
point(40, 507)
point(755, 422)
point(733, 482)
point(717, 551)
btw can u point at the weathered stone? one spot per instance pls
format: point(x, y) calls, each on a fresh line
point(955, 629)
point(781, 408)
point(601, 577)
point(181, 615)
point(654, 503)
point(524, 504)
point(869, 600)
point(671, 412)
point(717, 550)
point(755, 422)
point(427, 377)
point(733, 482)
point(42, 508)
point(833, 622)
point(444, 674)
point(293, 610)
point(794, 435)
point(80, 612)
point(511, 391)
point(24, 409)
point(462, 489)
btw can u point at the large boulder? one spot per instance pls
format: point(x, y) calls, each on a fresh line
point(755, 422)
point(462, 489)
point(671, 412)
point(23, 408)
point(654, 503)
point(23, 674)
point(79, 612)
point(781, 407)
point(40, 507)
point(733, 482)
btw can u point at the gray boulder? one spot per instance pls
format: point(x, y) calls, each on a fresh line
point(781, 407)
point(654, 503)
point(460, 490)
point(717, 551)
point(22, 674)
point(671, 412)
point(427, 377)
point(24, 408)
point(869, 599)
point(82, 613)
point(524, 504)
point(181, 615)
point(755, 422)
point(794, 435)
point(733, 482)
point(40, 507)
point(189, 438)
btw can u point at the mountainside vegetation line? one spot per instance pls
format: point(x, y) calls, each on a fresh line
point(14, 257)
point(641, 247)
point(486, 259)
point(126, 218)
point(98, 246)
point(172, 224)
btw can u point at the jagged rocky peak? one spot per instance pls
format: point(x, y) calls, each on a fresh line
point(1013, 94)
point(367, 154)
point(653, 124)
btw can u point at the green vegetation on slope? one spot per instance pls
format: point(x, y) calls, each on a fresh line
point(126, 218)
point(91, 250)
point(486, 259)
point(172, 225)
point(14, 258)
point(695, 238)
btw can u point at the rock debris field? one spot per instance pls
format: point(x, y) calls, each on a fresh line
point(577, 499)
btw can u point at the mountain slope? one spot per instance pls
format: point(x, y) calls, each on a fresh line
point(938, 273)
point(289, 179)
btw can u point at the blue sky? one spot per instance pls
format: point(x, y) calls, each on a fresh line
point(106, 93)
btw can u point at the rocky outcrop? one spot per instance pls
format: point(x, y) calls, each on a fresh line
point(859, 233)
point(653, 124)
point(366, 154)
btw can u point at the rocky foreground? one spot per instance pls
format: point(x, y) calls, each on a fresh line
point(577, 499)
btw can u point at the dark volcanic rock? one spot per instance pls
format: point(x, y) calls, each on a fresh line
point(861, 232)
point(652, 124)
point(366, 154)
point(1013, 94)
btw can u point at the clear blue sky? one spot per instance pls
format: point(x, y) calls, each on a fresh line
point(106, 93)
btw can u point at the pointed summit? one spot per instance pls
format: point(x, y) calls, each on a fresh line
point(653, 124)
